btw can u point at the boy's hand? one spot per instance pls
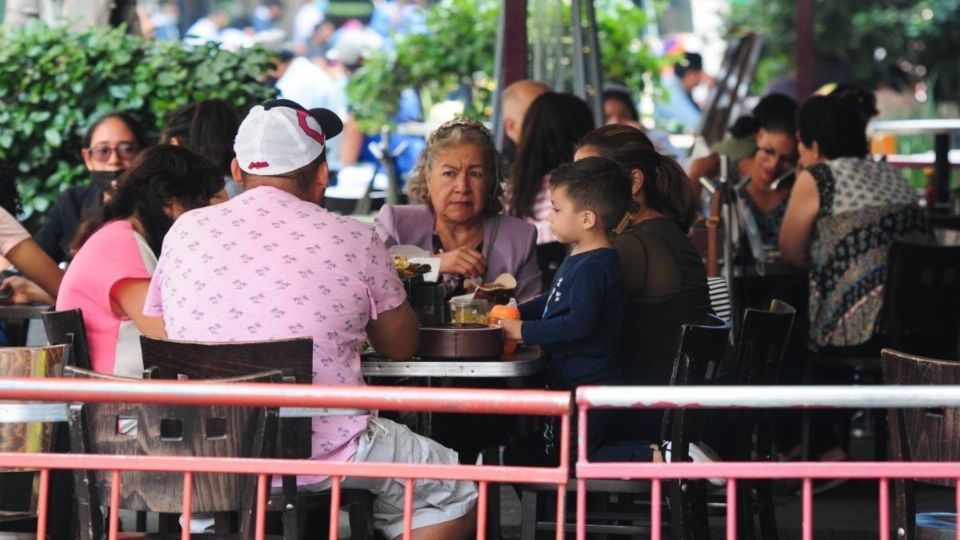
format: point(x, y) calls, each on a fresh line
point(511, 328)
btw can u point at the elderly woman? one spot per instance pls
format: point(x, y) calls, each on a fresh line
point(457, 178)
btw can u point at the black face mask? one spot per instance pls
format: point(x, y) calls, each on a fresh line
point(103, 179)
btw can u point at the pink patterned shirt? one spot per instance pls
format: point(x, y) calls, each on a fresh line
point(268, 265)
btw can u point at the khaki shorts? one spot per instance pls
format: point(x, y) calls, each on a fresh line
point(434, 501)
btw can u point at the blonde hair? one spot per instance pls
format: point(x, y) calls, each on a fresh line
point(454, 133)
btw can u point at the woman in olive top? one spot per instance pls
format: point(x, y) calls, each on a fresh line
point(663, 273)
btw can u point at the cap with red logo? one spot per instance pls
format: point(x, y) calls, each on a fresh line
point(280, 136)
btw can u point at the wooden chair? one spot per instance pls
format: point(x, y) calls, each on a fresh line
point(921, 435)
point(169, 359)
point(699, 350)
point(760, 349)
point(921, 295)
point(67, 328)
point(18, 489)
point(154, 429)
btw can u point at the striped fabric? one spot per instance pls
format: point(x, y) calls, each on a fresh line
point(719, 297)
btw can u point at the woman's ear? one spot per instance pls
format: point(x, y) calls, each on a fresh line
point(637, 176)
point(87, 159)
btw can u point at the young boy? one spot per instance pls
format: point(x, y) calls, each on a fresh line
point(579, 321)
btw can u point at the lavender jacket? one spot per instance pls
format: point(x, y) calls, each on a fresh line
point(513, 251)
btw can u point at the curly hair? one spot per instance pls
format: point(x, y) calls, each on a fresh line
point(454, 133)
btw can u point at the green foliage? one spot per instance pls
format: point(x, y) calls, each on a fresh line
point(54, 83)
point(456, 55)
point(918, 36)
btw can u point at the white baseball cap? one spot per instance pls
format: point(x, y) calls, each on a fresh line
point(280, 136)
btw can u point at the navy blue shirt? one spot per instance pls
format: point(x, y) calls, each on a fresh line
point(579, 321)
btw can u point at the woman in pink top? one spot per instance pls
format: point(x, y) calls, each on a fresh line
point(118, 249)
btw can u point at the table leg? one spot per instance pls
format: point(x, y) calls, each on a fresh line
point(941, 172)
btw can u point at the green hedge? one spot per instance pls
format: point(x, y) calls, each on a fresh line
point(54, 83)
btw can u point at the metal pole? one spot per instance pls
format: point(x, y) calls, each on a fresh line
point(726, 213)
point(941, 172)
point(591, 57)
point(806, 59)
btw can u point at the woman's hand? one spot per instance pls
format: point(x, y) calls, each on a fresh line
point(23, 291)
point(463, 261)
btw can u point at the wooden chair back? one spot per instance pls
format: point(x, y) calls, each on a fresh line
point(760, 349)
point(171, 359)
point(137, 429)
point(762, 344)
point(18, 491)
point(700, 349)
point(920, 298)
point(67, 328)
point(931, 434)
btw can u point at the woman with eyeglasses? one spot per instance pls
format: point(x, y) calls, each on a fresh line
point(109, 146)
point(117, 251)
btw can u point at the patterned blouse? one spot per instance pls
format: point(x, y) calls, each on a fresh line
point(768, 223)
point(865, 206)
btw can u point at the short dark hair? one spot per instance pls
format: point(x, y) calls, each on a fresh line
point(302, 177)
point(691, 62)
point(597, 184)
point(835, 124)
point(624, 98)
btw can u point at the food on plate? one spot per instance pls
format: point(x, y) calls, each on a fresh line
point(407, 269)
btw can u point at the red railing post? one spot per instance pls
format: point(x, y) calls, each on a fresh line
point(334, 507)
point(114, 504)
point(260, 523)
point(42, 503)
point(731, 509)
point(481, 510)
point(884, 509)
point(187, 507)
point(655, 496)
point(807, 513)
point(408, 509)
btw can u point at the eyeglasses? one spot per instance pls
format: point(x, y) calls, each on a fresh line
point(102, 153)
point(785, 159)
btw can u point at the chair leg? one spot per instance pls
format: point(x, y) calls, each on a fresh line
point(491, 456)
point(768, 512)
point(361, 521)
point(528, 514)
point(745, 525)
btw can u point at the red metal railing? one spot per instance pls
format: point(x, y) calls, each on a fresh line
point(282, 395)
point(759, 397)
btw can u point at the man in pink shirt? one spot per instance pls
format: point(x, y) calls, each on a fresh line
point(272, 264)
